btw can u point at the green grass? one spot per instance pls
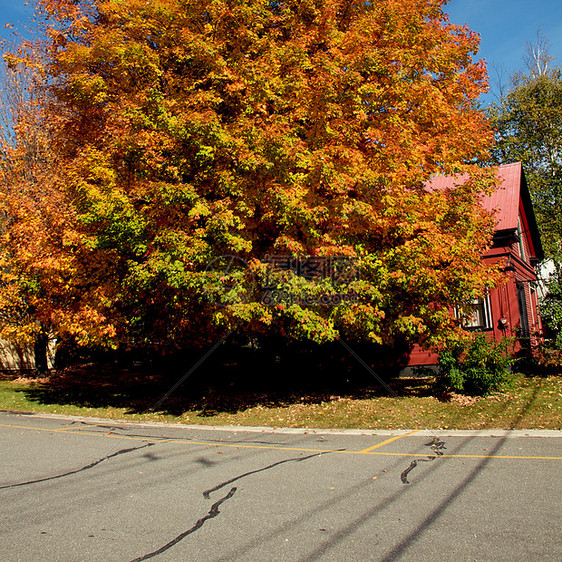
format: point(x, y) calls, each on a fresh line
point(532, 402)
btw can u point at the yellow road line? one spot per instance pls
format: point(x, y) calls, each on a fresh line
point(275, 448)
point(369, 449)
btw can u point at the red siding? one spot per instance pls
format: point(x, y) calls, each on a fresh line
point(510, 209)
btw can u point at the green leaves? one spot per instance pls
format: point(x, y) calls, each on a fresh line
point(551, 312)
point(476, 365)
point(528, 123)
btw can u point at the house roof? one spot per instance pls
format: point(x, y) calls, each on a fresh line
point(504, 201)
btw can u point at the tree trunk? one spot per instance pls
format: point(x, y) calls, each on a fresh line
point(40, 352)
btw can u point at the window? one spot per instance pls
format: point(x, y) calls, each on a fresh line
point(523, 316)
point(478, 314)
point(521, 243)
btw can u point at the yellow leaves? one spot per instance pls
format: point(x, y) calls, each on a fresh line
point(13, 61)
point(94, 166)
point(86, 325)
point(90, 89)
point(375, 338)
point(21, 332)
point(199, 210)
point(411, 326)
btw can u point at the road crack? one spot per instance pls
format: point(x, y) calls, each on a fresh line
point(206, 493)
point(213, 512)
point(437, 446)
point(76, 471)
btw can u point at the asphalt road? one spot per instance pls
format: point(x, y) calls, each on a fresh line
point(77, 489)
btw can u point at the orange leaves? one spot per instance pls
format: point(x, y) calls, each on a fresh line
point(181, 131)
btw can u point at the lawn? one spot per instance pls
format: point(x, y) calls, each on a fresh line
point(415, 403)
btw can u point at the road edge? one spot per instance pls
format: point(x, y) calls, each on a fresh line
point(301, 430)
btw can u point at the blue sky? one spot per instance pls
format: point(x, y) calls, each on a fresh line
point(15, 12)
point(504, 26)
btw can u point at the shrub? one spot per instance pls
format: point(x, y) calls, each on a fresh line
point(551, 313)
point(476, 365)
point(546, 361)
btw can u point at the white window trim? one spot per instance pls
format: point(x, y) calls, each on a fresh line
point(472, 322)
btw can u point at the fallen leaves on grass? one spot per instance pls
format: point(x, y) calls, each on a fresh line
point(464, 400)
point(31, 380)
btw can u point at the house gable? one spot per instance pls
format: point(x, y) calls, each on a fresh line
point(511, 204)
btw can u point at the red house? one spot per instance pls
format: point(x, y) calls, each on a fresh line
point(511, 309)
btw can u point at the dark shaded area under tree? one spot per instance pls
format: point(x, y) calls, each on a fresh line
point(232, 378)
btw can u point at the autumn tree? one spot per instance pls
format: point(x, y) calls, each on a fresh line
point(528, 124)
point(184, 131)
point(38, 296)
point(22, 169)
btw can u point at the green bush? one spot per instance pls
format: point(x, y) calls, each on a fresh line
point(476, 365)
point(551, 313)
